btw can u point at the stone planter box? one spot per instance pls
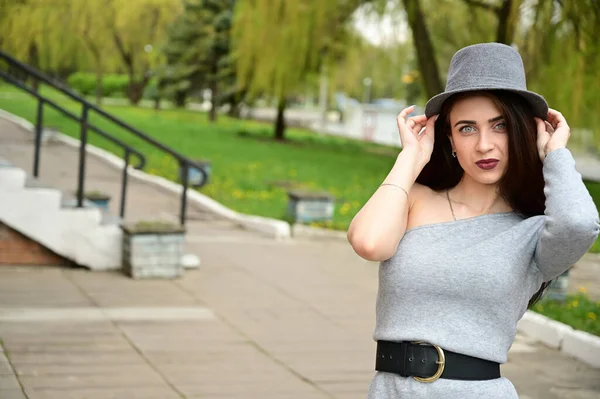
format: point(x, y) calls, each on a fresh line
point(195, 177)
point(558, 289)
point(306, 206)
point(49, 134)
point(98, 199)
point(153, 250)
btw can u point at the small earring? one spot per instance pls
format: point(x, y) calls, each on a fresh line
point(454, 153)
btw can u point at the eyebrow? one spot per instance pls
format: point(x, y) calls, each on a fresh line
point(474, 122)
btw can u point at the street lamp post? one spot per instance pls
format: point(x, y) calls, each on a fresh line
point(367, 93)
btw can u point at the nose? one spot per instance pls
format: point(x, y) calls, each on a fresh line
point(484, 143)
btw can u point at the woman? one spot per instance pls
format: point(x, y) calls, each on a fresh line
point(482, 209)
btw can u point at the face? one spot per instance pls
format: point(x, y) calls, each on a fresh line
point(480, 138)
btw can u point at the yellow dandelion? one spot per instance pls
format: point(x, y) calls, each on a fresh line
point(592, 316)
point(345, 209)
point(264, 195)
point(583, 290)
point(575, 303)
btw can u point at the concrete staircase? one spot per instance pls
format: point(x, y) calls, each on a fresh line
point(40, 213)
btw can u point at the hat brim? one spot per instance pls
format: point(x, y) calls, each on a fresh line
point(538, 103)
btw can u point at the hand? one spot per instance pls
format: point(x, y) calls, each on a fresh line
point(416, 134)
point(552, 134)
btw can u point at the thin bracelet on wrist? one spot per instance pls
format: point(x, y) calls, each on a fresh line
point(395, 185)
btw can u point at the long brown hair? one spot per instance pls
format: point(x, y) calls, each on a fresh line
point(522, 185)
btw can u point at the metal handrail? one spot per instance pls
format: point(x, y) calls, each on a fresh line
point(184, 162)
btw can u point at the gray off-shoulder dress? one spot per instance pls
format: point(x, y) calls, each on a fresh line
point(463, 285)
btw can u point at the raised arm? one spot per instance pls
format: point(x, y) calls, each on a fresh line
point(378, 227)
point(571, 223)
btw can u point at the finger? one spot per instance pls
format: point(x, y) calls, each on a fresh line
point(417, 123)
point(549, 127)
point(403, 127)
point(543, 136)
point(429, 126)
point(556, 119)
point(402, 115)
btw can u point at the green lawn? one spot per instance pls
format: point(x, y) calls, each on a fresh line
point(247, 166)
point(594, 189)
point(578, 311)
point(245, 163)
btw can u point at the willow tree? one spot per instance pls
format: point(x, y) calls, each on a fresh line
point(562, 59)
point(90, 21)
point(59, 34)
point(136, 27)
point(462, 22)
point(277, 44)
point(32, 31)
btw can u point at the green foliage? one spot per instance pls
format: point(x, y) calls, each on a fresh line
point(197, 50)
point(93, 35)
point(594, 189)
point(578, 311)
point(153, 227)
point(85, 83)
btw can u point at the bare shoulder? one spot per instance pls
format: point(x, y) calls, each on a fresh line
point(420, 195)
point(426, 206)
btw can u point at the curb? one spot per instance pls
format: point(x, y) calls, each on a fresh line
point(578, 344)
point(274, 228)
point(303, 231)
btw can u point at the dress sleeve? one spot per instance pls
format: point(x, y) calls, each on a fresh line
point(571, 222)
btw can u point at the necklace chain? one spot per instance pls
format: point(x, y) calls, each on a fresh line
point(450, 202)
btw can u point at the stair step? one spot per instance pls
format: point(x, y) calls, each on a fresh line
point(12, 178)
point(32, 182)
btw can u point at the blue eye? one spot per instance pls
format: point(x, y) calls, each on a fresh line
point(464, 129)
point(501, 126)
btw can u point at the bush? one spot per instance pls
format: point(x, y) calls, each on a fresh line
point(84, 83)
point(113, 85)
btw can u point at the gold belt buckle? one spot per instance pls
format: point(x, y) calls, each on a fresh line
point(441, 362)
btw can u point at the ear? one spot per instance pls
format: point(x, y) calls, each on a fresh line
point(451, 142)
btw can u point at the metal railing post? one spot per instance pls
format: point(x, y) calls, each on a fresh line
point(38, 138)
point(24, 71)
point(124, 184)
point(185, 176)
point(82, 145)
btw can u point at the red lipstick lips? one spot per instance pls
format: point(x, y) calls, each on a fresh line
point(487, 164)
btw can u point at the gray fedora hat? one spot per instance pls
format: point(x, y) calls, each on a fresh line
point(487, 66)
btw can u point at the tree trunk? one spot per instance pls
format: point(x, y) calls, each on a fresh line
point(214, 90)
point(425, 52)
point(280, 121)
point(179, 98)
point(99, 87)
point(323, 92)
point(34, 61)
point(135, 90)
point(508, 16)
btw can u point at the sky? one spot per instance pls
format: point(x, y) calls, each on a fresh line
point(380, 30)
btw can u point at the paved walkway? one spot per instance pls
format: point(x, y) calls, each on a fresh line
point(258, 319)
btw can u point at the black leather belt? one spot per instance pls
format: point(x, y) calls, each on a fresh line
point(426, 362)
